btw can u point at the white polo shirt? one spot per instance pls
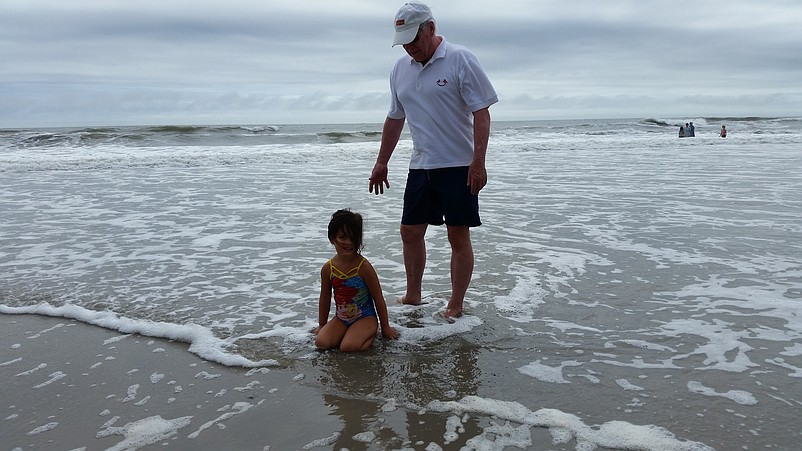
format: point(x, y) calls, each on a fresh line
point(438, 101)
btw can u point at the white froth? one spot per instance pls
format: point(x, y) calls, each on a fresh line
point(43, 428)
point(564, 426)
point(202, 341)
point(53, 378)
point(740, 396)
point(627, 385)
point(724, 348)
point(500, 437)
point(438, 331)
point(33, 370)
point(322, 442)
point(794, 350)
point(11, 362)
point(521, 303)
point(237, 409)
point(547, 373)
point(144, 432)
point(365, 437)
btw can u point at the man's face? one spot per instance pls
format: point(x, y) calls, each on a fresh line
point(421, 48)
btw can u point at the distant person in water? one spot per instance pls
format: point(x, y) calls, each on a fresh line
point(681, 131)
point(691, 130)
point(359, 303)
point(723, 133)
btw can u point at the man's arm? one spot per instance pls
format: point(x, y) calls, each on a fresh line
point(477, 174)
point(391, 133)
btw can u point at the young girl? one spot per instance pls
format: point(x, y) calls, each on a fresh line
point(358, 298)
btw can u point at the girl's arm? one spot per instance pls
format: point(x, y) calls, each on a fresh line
point(325, 298)
point(371, 279)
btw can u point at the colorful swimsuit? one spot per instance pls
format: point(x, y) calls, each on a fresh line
point(351, 295)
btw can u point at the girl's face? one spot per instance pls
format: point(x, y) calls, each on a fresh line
point(344, 244)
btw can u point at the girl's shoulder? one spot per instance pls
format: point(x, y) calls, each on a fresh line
point(326, 267)
point(365, 267)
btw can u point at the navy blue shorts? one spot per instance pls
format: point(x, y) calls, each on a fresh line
point(440, 196)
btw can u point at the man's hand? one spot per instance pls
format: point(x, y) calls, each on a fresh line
point(477, 177)
point(378, 179)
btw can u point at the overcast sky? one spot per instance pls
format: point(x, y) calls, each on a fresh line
point(141, 62)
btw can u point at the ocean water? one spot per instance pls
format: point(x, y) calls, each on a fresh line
point(632, 290)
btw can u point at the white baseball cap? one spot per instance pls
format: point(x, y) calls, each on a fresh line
point(409, 18)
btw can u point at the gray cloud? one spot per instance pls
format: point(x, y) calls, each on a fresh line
point(93, 62)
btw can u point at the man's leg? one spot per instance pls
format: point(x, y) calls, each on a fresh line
point(414, 260)
point(461, 267)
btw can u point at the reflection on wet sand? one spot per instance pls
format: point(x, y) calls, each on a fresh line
point(387, 392)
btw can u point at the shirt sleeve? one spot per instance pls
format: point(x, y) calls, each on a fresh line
point(396, 109)
point(475, 87)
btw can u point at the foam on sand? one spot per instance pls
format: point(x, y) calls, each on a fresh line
point(201, 340)
point(565, 427)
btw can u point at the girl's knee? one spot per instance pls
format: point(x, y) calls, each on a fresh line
point(355, 346)
point(322, 344)
point(360, 335)
point(330, 335)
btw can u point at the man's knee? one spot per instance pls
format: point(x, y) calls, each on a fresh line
point(459, 236)
point(412, 233)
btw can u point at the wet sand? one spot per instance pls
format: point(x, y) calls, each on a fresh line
point(73, 386)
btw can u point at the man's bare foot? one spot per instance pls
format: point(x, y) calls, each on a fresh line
point(403, 300)
point(452, 313)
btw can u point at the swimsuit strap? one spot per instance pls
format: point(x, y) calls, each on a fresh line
point(336, 272)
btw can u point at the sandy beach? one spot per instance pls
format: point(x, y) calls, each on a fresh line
point(69, 386)
point(72, 386)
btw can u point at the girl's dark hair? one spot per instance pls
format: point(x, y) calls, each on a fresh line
point(350, 223)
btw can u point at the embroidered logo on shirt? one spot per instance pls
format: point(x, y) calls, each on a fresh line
point(442, 82)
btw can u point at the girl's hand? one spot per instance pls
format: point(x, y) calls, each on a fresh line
point(316, 330)
point(389, 333)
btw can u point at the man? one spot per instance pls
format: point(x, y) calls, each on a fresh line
point(444, 95)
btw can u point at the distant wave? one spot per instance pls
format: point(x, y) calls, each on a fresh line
point(714, 120)
point(148, 136)
point(659, 122)
point(250, 135)
point(738, 119)
point(754, 119)
point(257, 129)
point(212, 128)
point(344, 137)
point(675, 122)
point(174, 129)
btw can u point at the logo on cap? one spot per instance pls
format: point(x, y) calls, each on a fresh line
point(399, 22)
